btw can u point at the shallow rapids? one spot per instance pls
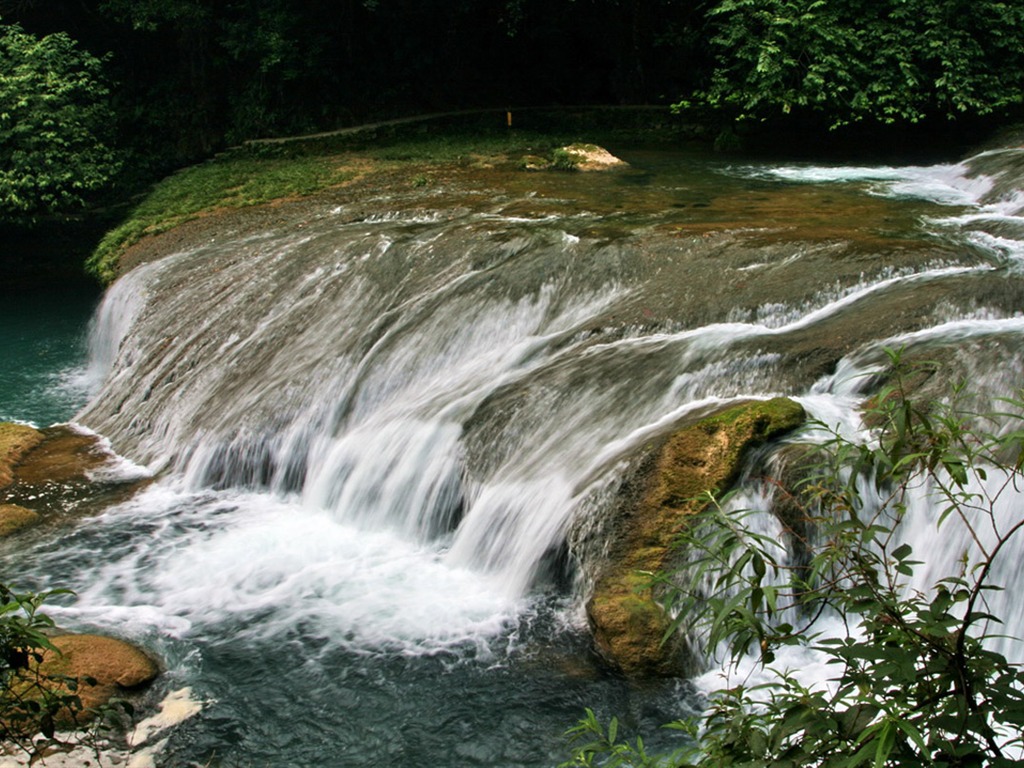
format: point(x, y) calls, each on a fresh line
point(385, 432)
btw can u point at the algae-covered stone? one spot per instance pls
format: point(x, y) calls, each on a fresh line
point(60, 472)
point(13, 518)
point(627, 622)
point(15, 441)
point(116, 666)
point(587, 157)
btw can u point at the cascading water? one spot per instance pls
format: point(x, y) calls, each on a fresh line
point(374, 434)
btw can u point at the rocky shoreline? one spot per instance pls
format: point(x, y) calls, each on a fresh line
point(48, 477)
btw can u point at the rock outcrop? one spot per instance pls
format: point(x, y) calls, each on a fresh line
point(628, 623)
point(574, 157)
point(590, 157)
point(52, 473)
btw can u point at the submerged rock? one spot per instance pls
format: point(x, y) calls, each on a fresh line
point(628, 623)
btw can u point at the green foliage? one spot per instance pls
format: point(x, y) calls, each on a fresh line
point(593, 744)
point(564, 160)
point(916, 678)
point(893, 61)
point(53, 118)
point(151, 14)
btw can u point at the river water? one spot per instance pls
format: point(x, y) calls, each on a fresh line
point(385, 431)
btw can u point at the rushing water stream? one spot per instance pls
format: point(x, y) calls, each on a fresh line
point(377, 427)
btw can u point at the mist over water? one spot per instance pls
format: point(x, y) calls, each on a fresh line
point(380, 441)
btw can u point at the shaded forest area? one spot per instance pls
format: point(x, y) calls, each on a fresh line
point(191, 76)
point(99, 98)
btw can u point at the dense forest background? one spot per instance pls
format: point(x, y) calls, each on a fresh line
point(101, 97)
point(189, 76)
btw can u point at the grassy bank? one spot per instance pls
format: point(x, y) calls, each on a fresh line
point(260, 172)
point(241, 177)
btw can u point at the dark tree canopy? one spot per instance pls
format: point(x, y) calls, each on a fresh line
point(194, 75)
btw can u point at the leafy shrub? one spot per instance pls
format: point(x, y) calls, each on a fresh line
point(41, 712)
point(891, 61)
point(53, 117)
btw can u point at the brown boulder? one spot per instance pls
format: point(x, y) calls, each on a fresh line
point(116, 666)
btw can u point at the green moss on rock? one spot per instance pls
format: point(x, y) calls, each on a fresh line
point(627, 622)
point(15, 441)
point(14, 518)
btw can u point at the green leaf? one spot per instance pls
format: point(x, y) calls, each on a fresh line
point(902, 552)
point(884, 743)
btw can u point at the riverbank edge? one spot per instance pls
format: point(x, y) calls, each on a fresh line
point(85, 249)
point(391, 153)
point(271, 171)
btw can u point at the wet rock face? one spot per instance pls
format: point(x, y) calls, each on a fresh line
point(628, 623)
point(50, 474)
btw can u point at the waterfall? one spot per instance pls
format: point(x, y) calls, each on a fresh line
point(461, 380)
point(399, 435)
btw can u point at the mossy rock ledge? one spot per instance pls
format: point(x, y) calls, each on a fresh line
point(626, 620)
point(53, 473)
point(16, 440)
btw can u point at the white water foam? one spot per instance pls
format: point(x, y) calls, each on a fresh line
point(263, 568)
point(120, 307)
point(991, 200)
point(944, 184)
